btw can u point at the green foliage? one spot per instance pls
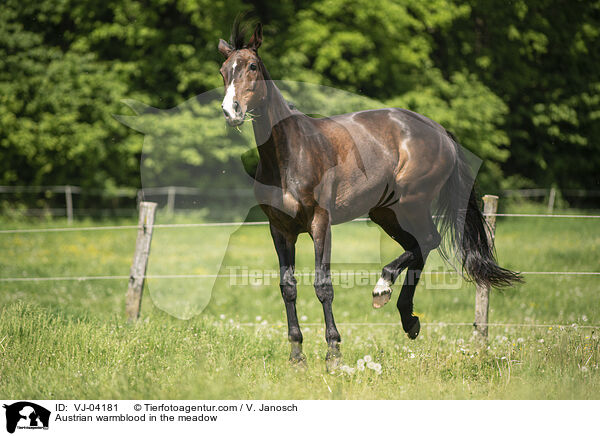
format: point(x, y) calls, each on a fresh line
point(516, 81)
point(542, 59)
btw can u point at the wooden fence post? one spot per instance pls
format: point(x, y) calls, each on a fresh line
point(482, 294)
point(139, 197)
point(171, 192)
point(69, 203)
point(137, 275)
point(551, 199)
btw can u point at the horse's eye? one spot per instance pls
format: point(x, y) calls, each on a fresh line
point(253, 67)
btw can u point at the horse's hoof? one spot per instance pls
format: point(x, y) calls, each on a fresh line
point(333, 360)
point(298, 361)
point(297, 357)
point(382, 293)
point(413, 332)
point(333, 364)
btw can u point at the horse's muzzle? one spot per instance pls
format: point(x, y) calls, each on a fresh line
point(234, 115)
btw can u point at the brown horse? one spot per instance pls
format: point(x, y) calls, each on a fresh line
point(391, 164)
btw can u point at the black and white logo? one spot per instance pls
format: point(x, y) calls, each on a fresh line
point(26, 415)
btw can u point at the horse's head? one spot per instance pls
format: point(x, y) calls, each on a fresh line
point(243, 74)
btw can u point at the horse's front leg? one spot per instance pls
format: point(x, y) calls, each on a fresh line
point(320, 231)
point(286, 252)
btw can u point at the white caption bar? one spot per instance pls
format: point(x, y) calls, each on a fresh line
point(252, 417)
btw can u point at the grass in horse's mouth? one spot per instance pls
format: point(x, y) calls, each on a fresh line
point(247, 117)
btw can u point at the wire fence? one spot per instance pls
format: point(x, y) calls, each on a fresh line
point(170, 195)
point(574, 326)
point(250, 223)
point(272, 275)
point(257, 223)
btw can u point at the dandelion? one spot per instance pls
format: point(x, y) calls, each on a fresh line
point(347, 369)
point(368, 358)
point(375, 367)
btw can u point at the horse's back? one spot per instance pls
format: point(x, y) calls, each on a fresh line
point(409, 149)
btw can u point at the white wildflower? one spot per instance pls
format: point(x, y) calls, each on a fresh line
point(347, 369)
point(258, 318)
point(222, 316)
point(368, 358)
point(303, 318)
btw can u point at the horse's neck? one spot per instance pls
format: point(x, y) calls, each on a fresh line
point(270, 133)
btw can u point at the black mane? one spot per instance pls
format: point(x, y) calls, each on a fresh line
point(238, 31)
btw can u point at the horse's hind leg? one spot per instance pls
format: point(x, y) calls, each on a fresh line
point(419, 238)
point(386, 219)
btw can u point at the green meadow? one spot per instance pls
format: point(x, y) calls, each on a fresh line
point(218, 338)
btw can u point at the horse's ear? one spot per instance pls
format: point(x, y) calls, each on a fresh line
point(225, 48)
point(256, 39)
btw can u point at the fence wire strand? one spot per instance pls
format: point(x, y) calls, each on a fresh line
point(271, 275)
point(426, 324)
point(249, 223)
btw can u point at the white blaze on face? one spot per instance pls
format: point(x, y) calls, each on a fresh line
point(230, 94)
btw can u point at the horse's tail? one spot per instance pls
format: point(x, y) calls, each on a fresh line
point(466, 228)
